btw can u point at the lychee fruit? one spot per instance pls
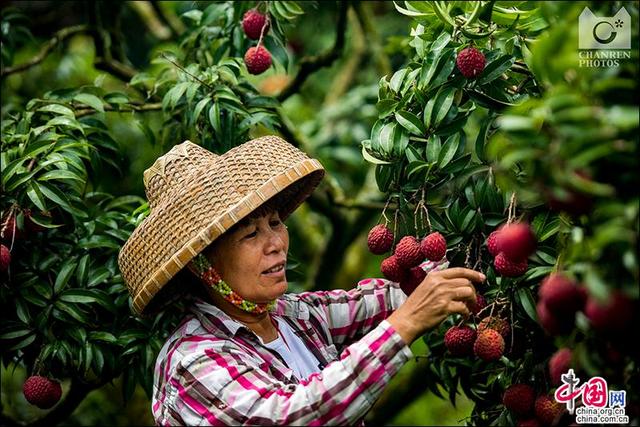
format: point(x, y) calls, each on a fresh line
point(497, 324)
point(9, 230)
point(489, 345)
point(408, 252)
point(559, 363)
point(561, 294)
point(434, 246)
point(508, 268)
point(554, 323)
point(252, 23)
point(519, 399)
point(459, 340)
point(257, 59)
point(516, 241)
point(412, 279)
point(5, 258)
point(470, 62)
point(613, 316)
point(392, 270)
point(547, 409)
point(492, 243)
point(479, 305)
point(41, 391)
point(380, 239)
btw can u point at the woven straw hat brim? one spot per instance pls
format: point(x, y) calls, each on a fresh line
point(201, 205)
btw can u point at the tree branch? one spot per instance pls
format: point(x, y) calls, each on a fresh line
point(310, 64)
point(156, 106)
point(58, 38)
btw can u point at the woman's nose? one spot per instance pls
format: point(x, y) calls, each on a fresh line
point(275, 240)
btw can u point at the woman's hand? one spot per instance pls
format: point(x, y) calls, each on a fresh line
point(440, 294)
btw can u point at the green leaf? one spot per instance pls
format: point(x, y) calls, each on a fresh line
point(449, 149)
point(410, 122)
point(64, 275)
point(199, 107)
point(396, 80)
point(90, 100)
point(495, 69)
point(57, 109)
point(528, 303)
point(386, 138)
point(444, 100)
point(35, 195)
point(103, 336)
point(60, 174)
point(117, 98)
point(98, 276)
point(433, 149)
point(79, 296)
point(54, 194)
point(24, 342)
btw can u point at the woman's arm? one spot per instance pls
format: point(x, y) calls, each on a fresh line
point(351, 314)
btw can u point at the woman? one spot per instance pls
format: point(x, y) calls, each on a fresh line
point(248, 352)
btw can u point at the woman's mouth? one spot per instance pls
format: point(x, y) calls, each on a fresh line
point(275, 271)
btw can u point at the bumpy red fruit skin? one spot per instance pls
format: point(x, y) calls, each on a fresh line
point(257, 59)
point(481, 303)
point(41, 391)
point(380, 239)
point(547, 409)
point(559, 364)
point(392, 270)
point(497, 324)
point(519, 398)
point(459, 340)
point(509, 268)
point(408, 252)
point(434, 247)
point(470, 62)
point(561, 294)
point(5, 258)
point(613, 316)
point(412, 279)
point(492, 243)
point(517, 241)
point(489, 345)
point(252, 23)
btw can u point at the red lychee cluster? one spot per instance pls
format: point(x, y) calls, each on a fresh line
point(559, 300)
point(612, 316)
point(497, 324)
point(520, 399)
point(470, 62)
point(403, 266)
point(41, 391)
point(255, 26)
point(510, 246)
point(11, 233)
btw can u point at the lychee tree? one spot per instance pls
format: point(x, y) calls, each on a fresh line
point(526, 165)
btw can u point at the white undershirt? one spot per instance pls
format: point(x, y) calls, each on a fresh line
point(294, 352)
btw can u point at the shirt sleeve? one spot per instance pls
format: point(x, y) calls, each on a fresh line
point(223, 384)
point(351, 314)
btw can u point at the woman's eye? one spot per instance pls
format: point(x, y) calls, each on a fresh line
point(275, 223)
point(251, 235)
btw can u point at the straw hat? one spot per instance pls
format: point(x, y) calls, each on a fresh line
point(195, 196)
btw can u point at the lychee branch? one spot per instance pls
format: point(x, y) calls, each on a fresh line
point(310, 64)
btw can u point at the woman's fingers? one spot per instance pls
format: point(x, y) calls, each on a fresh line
point(458, 307)
point(461, 273)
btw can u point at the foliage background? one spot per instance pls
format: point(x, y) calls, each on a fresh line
point(329, 116)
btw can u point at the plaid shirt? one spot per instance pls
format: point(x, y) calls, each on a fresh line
point(214, 371)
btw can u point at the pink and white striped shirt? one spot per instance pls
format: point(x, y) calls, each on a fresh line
point(214, 371)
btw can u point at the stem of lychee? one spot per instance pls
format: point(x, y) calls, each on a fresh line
point(511, 210)
point(266, 22)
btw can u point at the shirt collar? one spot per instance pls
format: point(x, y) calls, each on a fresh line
point(214, 319)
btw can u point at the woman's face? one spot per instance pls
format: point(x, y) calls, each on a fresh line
point(252, 259)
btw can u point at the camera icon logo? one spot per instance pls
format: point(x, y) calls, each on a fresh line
point(597, 32)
